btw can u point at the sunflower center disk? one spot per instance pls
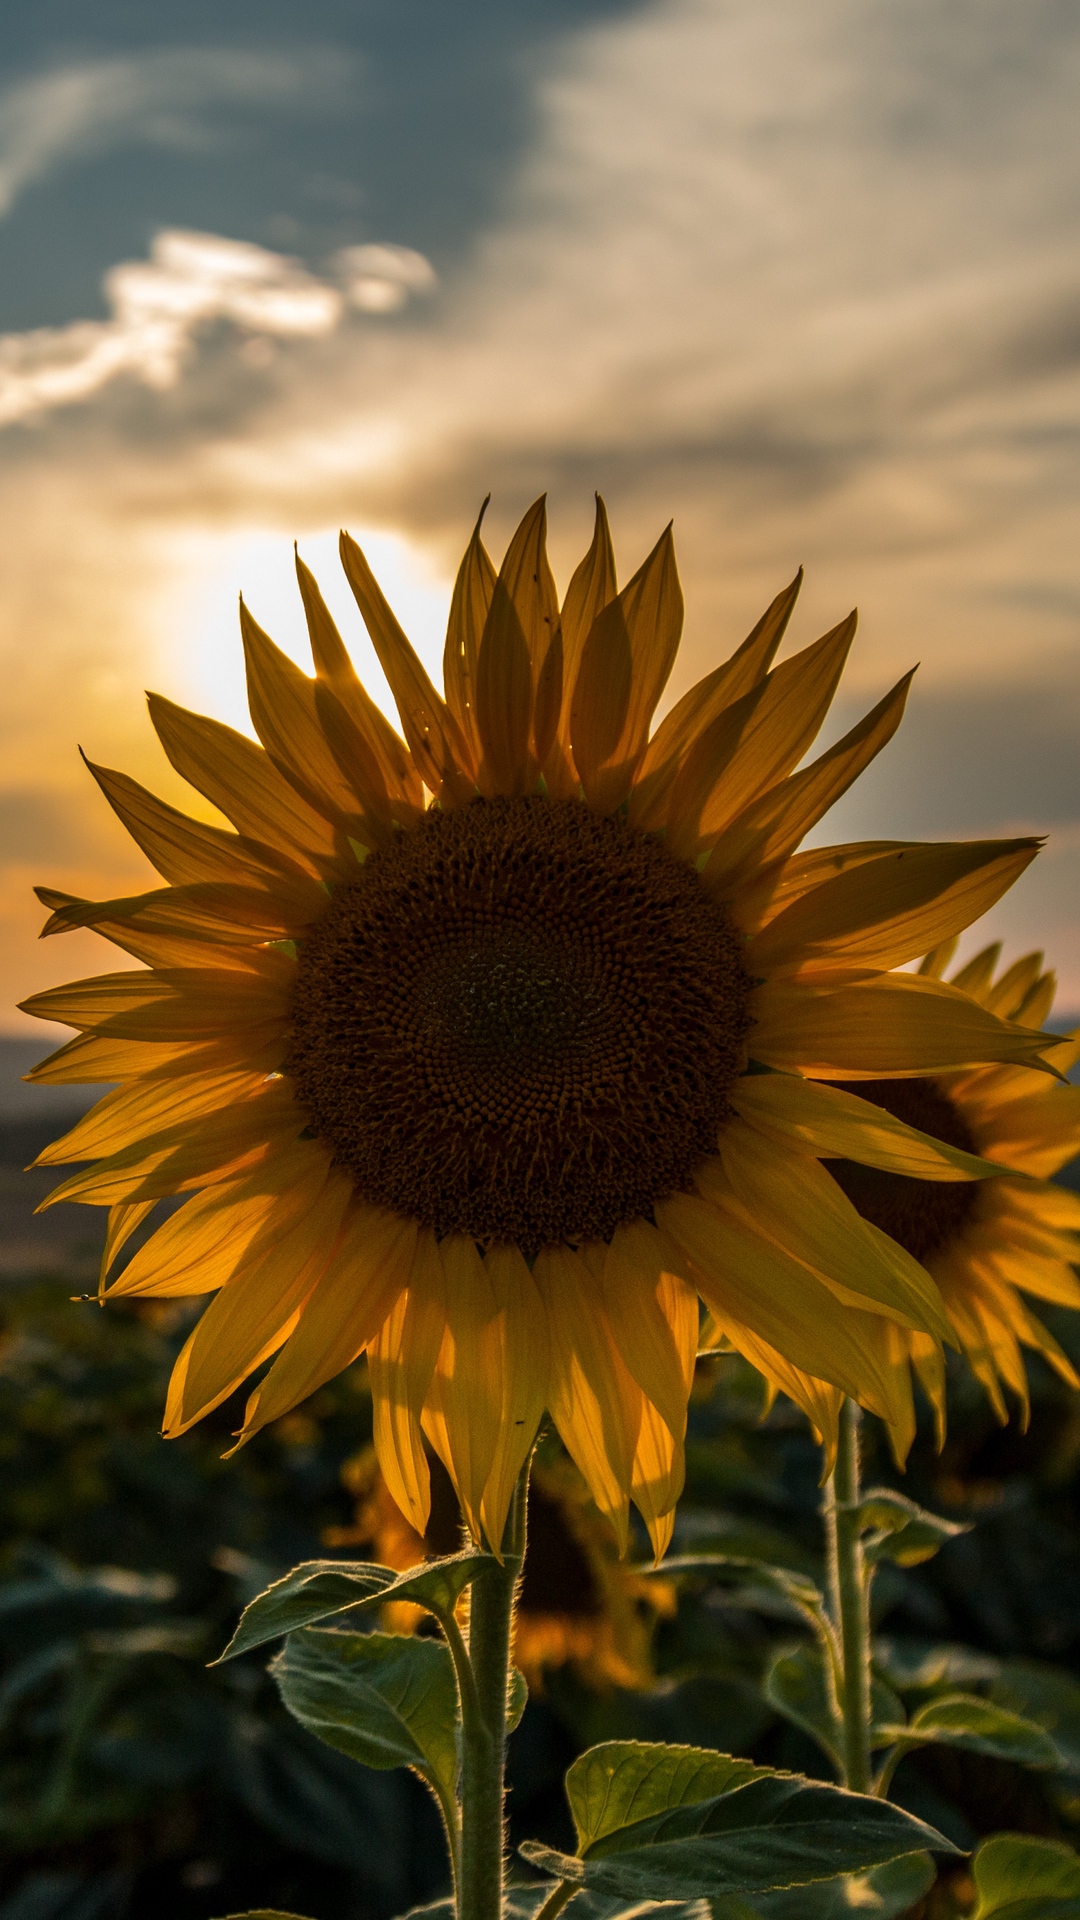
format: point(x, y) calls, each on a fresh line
point(520, 1022)
point(923, 1215)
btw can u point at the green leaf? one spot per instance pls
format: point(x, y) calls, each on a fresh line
point(915, 1666)
point(796, 1588)
point(979, 1726)
point(1048, 1696)
point(388, 1699)
point(517, 1698)
point(901, 1530)
point(624, 1781)
point(319, 1589)
point(1018, 1878)
point(797, 1686)
point(777, 1831)
point(881, 1894)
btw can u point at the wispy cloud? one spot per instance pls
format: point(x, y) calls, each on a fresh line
point(165, 97)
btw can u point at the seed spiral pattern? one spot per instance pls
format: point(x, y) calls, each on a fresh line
point(923, 1215)
point(521, 1022)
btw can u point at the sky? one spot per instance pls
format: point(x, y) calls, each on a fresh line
point(805, 278)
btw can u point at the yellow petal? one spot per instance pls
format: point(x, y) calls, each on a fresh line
point(592, 588)
point(1034, 1134)
point(124, 1219)
point(176, 1003)
point(1034, 1011)
point(366, 1273)
point(625, 664)
point(593, 1400)
point(335, 672)
point(186, 850)
point(252, 1316)
point(784, 723)
point(886, 912)
point(128, 1115)
point(894, 1024)
point(200, 1247)
point(654, 1319)
point(658, 1476)
point(209, 923)
point(468, 611)
point(401, 1362)
point(933, 964)
point(242, 780)
point(792, 1201)
point(96, 1059)
point(523, 1379)
point(281, 701)
point(773, 825)
point(1008, 994)
point(826, 1121)
point(747, 1281)
point(698, 709)
point(757, 901)
point(194, 1154)
point(464, 1402)
point(436, 743)
point(976, 977)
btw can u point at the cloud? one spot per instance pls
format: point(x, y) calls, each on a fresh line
point(190, 280)
point(163, 97)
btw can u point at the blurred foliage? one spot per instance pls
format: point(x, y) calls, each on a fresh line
point(137, 1780)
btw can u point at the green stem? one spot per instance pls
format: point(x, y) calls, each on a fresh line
point(850, 1601)
point(483, 1713)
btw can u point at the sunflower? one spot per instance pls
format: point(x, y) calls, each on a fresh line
point(987, 1243)
point(579, 1605)
point(486, 1050)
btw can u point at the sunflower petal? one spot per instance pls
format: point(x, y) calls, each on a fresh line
point(813, 1117)
point(464, 1403)
point(894, 1024)
point(747, 1281)
point(401, 1363)
point(625, 663)
point(177, 1003)
point(199, 1247)
point(186, 850)
point(1008, 994)
point(94, 1058)
point(519, 651)
point(593, 587)
point(976, 977)
point(773, 825)
point(659, 1472)
point(784, 723)
point(653, 1318)
point(179, 1158)
point(366, 1273)
point(593, 1400)
point(697, 710)
point(281, 700)
point(888, 911)
point(124, 1220)
point(252, 1316)
point(473, 589)
point(435, 739)
point(242, 780)
point(126, 1116)
point(792, 1201)
point(523, 1377)
point(335, 672)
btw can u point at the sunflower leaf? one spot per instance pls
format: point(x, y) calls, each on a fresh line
point(796, 1588)
point(1019, 1878)
point(777, 1831)
point(883, 1893)
point(901, 1530)
point(623, 1781)
point(979, 1726)
point(797, 1685)
point(387, 1699)
point(321, 1589)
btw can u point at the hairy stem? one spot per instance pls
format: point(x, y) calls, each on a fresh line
point(491, 1616)
point(849, 1589)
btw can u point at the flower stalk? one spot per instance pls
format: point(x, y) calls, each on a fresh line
point(849, 1601)
point(484, 1699)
